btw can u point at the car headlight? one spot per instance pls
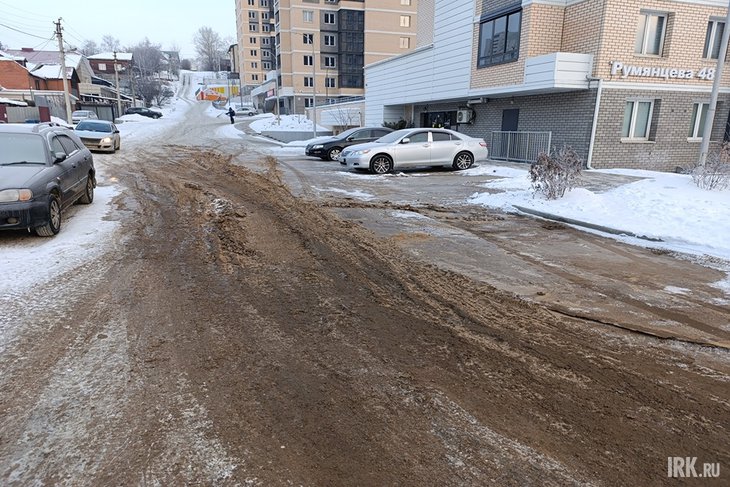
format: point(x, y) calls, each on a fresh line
point(318, 146)
point(360, 152)
point(12, 195)
point(106, 140)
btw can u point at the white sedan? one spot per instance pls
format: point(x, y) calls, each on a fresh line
point(416, 147)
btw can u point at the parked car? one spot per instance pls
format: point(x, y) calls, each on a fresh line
point(244, 109)
point(329, 150)
point(80, 115)
point(416, 147)
point(44, 169)
point(144, 111)
point(99, 135)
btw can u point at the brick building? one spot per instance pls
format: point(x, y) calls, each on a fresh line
point(626, 82)
point(292, 49)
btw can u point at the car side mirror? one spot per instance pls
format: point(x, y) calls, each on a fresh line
point(59, 157)
point(405, 140)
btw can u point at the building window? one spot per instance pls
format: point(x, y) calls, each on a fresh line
point(650, 34)
point(330, 83)
point(266, 65)
point(637, 119)
point(308, 60)
point(699, 116)
point(499, 39)
point(329, 40)
point(252, 40)
point(329, 18)
point(255, 77)
point(264, 3)
point(266, 41)
point(253, 27)
point(330, 62)
point(308, 103)
point(265, 15)
point(715, 28)
point(254, 65)
point(308, 38)
point(251, 15)
point(102, 67)
point(308, 16)
point(252, 2)
point(308, 81)
point(266, 28)
point(254, 52)
point(405, 20)
point(405, 42)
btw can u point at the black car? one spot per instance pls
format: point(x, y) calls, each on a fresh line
point(44, 169)
point(146, 112)
point(329, 149)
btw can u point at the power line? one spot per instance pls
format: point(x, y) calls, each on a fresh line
point(21, 32)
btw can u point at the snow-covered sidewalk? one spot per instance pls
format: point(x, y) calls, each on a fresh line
point(662, 206)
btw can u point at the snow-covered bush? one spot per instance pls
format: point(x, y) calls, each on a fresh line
point(715, 173)
point(554, 174)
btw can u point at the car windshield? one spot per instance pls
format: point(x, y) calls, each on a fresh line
point(22, 149)
point(347, 133)
point(94, 126)
point(393, 136)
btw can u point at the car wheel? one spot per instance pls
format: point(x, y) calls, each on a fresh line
point(88, 195)
point(381, 164)
point(334, 153)
point(53, 225)
point(463, 160)
point(250, 114)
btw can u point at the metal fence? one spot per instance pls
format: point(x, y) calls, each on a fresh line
point(519, 146)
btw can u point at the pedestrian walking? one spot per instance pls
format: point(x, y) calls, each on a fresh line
point(231, 113)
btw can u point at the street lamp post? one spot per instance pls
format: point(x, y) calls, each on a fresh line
point(314, 91)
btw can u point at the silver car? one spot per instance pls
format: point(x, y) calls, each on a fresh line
point(415, 147)
point(99, 135)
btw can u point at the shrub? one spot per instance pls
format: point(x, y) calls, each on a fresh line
point(400, 124)
point(715, 172)
point(553, 174)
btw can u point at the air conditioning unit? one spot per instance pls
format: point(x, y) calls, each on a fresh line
point(464, 115)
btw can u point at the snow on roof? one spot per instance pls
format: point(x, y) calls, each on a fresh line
point(51, 71)
point(109, 56)
point(8, 101)
point(47, 57)
point(6, 56)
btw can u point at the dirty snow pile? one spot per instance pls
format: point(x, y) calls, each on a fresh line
point(664, 206)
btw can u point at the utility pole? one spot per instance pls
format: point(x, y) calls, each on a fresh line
point(314, 91)
point(131, 84)
point(116, 80)
point(705, 147)
point(66, 96)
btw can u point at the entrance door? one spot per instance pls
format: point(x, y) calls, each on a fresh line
point(509, 119)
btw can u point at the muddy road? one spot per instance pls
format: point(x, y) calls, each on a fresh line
point(240, 333)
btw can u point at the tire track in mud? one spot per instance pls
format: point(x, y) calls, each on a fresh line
point(511, 343)
point(264, 341)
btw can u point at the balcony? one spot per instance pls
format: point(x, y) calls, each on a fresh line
point(558, 71)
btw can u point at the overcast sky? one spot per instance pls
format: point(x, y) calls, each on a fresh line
point(164, 22)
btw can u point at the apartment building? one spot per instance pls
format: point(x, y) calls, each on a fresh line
point(627, 83)
point(296, 50)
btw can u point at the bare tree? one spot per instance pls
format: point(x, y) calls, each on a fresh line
point(89, 48)
point(1, 46)
point(147, 58)
point(186, 64)
point(164, 94)
point(209, 47)
point(110, 44)
point(149, 89)
point(345, 117)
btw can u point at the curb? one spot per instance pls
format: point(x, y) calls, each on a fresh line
point(570, 221)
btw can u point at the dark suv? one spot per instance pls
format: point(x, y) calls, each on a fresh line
point(44, 169)
point(329, 149)
point(146, 112)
